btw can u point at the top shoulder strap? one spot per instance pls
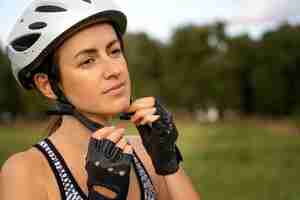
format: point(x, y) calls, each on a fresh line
point(69, 189)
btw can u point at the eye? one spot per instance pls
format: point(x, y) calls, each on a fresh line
point(87, 62)
point(116, 51)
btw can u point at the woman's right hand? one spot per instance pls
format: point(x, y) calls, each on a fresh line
point(108, 164)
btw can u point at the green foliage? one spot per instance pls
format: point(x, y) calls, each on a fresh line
point(280, 70)
point(196, 69)
point(237, 161)
point(13, 98)
point(9, 94)
point(247, 162)
point(199, 67)
point(145, 62)
point(186, 77)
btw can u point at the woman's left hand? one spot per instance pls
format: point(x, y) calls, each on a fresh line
point(158, 132)
point(144, 111)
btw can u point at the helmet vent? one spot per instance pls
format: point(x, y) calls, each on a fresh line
point(37, 25)
point(25, 42)
point(50, 8)
point(88, 1)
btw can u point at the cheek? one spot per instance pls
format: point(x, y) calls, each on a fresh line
point(83, 88)
point(80, 85)
point(125, 69)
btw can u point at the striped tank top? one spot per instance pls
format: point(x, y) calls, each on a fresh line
point(68, 186)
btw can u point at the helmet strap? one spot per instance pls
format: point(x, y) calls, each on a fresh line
point(64, 107)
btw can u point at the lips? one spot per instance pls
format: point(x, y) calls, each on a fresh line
point(114, 87)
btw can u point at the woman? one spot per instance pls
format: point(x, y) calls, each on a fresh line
point(72, 52)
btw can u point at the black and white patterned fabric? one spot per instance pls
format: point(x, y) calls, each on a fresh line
point(69, 188)
point(148, 192)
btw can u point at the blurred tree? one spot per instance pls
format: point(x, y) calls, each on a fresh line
point(242, 54)
point(145, 64)
point(9, 94)
point(199, 75)
point(199, 67)
point(186, 78)
point(13, 99)
point(277, 78)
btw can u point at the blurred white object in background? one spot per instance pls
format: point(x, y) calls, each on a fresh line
point(209, 115)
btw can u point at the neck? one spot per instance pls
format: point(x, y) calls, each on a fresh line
point(73, 133)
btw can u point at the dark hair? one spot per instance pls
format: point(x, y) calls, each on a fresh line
point(54, 124)
point(54, 121)
point(52, 60)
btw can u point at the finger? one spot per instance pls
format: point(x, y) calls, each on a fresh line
point(149, 119)
point(103, 132)
point(146, 102)
point(128, 149)
point(116, 135)
point(121, 125)
point(142, 113)
point(122, 143)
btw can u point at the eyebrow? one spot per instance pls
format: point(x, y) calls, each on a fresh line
point(94, 50)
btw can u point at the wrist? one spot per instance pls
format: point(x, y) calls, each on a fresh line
point(170, 164)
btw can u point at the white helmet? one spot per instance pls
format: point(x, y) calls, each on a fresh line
point(45, 24)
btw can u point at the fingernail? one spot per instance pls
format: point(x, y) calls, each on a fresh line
point(132, 119)
point(121, 129)
point(121, 125)
point(130, 150)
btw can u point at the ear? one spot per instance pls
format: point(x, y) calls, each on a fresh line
point(41, 81)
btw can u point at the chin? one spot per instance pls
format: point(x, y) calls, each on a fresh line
point(118, 105)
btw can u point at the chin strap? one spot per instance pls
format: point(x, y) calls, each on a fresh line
point(68, 109)
point(64, 107)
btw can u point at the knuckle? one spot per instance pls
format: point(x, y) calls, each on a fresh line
point(99, 134)
point(117, 133)
point(139, 113)
point(130, 149)
point(104, 130)
point(148, 117)
point(148, 111)
point(127, 147)
point(152, 100)
point(96, 136)
point(153, 110)
point(151, 118)
point(122, 143)
point(123, 140)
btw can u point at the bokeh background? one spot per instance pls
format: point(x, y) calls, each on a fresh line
point(228, 70)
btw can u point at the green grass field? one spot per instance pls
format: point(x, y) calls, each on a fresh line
point(236, 161)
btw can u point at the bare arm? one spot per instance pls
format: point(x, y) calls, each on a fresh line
point(18, 180)
point(159, 134)
point(180, 186)
point(172, 187)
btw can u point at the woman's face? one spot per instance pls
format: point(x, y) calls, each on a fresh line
point(94, 73)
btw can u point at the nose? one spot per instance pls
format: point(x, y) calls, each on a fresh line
point(112, 70)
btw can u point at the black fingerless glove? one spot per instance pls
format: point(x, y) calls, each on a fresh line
point(107, 167)
point(159, 141)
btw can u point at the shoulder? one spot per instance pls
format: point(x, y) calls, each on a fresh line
point(21, 177)
point(158, 181)
point(23, 162)
point(19, 164)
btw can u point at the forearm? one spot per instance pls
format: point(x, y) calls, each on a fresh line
point(159, 137)
point(180, 187)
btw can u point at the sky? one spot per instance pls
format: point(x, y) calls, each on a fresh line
point(159, 18)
